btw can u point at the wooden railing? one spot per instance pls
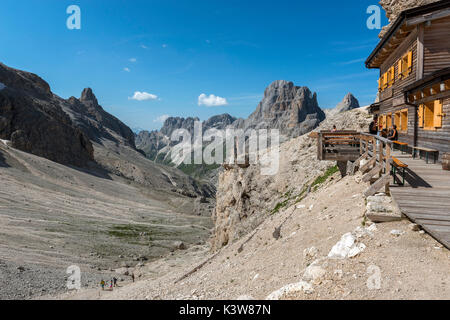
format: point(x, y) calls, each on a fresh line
point(370, 154)
point(338, 145)
point(374, 162)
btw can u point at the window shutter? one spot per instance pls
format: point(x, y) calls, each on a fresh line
point(379, 84)
point(385, 80)
point(421, 116)
point(410, 61)
point(392, 75)
point(438, 114)
point(400, 74)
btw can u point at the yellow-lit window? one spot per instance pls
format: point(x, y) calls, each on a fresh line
point(397, 119)
point(404, 120)
point(405, 65)
point(391, 76)
point(389, 121)
point(432, 115)
point(399, 69)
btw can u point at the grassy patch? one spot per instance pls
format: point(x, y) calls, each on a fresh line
point(302, 195)
point(324, 177)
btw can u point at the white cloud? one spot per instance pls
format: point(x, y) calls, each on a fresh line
point(162, 118)
point(164, 45)
point(143, 46)
point(211, 100)
point(126, 69)
point(143, 96)
point(132, 60)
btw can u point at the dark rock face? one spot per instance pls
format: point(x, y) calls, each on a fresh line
point(33, 119)
point(291, 109)
point(349, 103)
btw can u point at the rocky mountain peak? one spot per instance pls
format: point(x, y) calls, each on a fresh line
point(348, 103)
point(87, 96)
point(292, 109)
point(219, 122)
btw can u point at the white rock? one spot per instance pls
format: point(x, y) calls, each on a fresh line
point(256, 276)
point(314, 273)
point(293, 288)
point(346, 247)
point(310, 253)
point(311, 207)
point(245, 297)
point(397, 233)
point(372, 228)
point(301, 206)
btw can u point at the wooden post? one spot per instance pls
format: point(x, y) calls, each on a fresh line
point(380, 156)
point(374, 146)
point(319, 146)
point(360, 145)
point(388, 166)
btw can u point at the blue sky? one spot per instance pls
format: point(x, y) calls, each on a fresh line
point(177, 50)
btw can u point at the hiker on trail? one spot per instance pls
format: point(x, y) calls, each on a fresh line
point(111, 285)
point(393, 134)
point(132, 276)
point(115, 281)
point(102, 284)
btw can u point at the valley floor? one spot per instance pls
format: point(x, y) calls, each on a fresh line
point(404, 264)
point(53, 216)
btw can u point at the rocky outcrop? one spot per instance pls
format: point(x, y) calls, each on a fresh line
point(348, 103)
point(245, 198)
point(393, 9)
point(291, 109)
point(32, 117)
point(157, 144)
point(96, 122)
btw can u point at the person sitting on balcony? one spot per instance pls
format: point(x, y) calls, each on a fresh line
point(393, 134)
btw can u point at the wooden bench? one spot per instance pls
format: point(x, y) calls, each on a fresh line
point(403, 146)
point(398, 165)
point(427, 152)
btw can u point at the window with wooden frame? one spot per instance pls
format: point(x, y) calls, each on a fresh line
point(405, 65)
point(389, 121)
point(391, 76)
point(404, 120)
point(384, 81)
point(381, 122)
point(397, 119)
point(430, 115)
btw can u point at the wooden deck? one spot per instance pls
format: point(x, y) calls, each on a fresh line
point(425, 198)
